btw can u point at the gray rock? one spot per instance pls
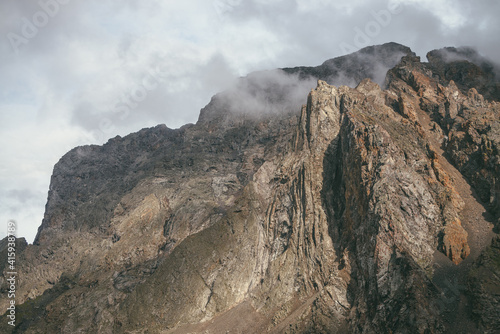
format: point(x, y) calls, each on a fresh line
point(339, 215)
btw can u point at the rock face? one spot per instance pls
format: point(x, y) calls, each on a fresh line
point(366, 210)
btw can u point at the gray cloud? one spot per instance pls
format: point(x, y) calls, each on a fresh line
point(267, 92)
point(62, 87)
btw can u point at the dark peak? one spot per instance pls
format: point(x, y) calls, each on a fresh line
point(385, 54)
point(452, 54)
point(382, 51)
point(118, 164)
point(467, 68)
point(259, 94)
point(370, 62)
point(282, 91)
point(145, 136)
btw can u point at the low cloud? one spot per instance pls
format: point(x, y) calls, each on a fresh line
point(80, 64)
point(268, 92)
point(452, 54)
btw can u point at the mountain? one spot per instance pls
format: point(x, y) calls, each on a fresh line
point(293, 205)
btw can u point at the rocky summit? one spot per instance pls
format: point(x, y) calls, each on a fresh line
point(358, 196)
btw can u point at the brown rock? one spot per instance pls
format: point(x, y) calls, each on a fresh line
point(271, 217)
point(454, 242)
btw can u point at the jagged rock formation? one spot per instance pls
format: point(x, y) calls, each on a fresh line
point(366, 210)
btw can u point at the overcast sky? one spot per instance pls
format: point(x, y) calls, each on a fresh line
point(79, 72)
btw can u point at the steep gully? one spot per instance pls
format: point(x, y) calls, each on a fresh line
point(324, 222)
point(449, 277)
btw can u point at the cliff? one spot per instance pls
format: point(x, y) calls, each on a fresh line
point(368, 209)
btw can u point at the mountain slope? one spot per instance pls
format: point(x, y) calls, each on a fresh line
point(365, 210)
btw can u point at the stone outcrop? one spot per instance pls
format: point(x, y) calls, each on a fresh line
point(348, 214)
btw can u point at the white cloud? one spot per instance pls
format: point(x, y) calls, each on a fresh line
point(30, 151)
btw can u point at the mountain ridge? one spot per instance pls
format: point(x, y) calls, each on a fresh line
point(345, 214)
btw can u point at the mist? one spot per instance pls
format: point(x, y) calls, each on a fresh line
point(268, 93)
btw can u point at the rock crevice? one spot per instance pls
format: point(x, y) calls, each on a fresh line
point(350, 213)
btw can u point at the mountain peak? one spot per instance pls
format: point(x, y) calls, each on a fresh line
point(292, 205)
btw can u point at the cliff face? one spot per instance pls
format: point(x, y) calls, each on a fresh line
point(368, 211)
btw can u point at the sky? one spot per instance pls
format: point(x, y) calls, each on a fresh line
point(77, 72)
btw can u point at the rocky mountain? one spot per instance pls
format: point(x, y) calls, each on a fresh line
point(293, 205)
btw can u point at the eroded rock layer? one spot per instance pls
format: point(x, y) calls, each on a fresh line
point(366, 210)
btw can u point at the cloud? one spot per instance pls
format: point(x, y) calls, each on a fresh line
point(267, 92)
point(64, 85)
